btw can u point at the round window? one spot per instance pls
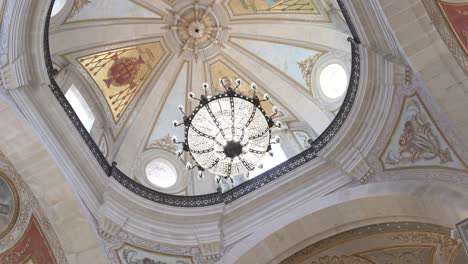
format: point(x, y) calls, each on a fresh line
point(161, 173)
point(333, 80)
point(58, 5)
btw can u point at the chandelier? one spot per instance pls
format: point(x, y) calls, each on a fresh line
point(227, 134)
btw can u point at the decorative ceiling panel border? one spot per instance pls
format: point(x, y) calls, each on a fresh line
point(446, 31)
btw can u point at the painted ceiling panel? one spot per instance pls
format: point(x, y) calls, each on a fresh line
point(285, 58)
point(163, 130)
point(249, 7)
point(84, 10)
point(120, 73)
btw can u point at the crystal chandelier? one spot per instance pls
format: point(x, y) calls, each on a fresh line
point(227, 134)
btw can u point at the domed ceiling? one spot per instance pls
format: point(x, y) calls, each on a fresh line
point(126, 65)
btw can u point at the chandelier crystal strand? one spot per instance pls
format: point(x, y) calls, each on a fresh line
point(227, 134)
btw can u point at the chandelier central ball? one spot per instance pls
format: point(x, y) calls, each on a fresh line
point(232, 149)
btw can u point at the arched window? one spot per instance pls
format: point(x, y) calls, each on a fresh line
point(80, 106)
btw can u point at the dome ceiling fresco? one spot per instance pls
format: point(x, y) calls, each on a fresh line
point(135, 61)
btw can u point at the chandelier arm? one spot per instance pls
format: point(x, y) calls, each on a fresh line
point(231, 99)
point(230, 168)
point(254, 110)
point(201, 133)
point(213, 164)
point(215, 120)
point(218, 143)
point(257, 152)
point(246, 165)
point(259, 135)
point(202, 151)
point(221, 81)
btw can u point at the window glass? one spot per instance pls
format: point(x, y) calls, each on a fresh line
point(80, 106)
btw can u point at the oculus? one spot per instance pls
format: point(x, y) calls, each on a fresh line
point(333, 81)
point(161, 173)
point(227, 134)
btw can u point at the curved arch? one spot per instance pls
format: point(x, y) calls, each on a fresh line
point(426, 202)
point(430, 57)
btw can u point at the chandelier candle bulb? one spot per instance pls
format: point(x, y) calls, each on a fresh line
point(191, 96)
point(266, 97)
point(276, 140)
point(188, 166)
point(253, 86)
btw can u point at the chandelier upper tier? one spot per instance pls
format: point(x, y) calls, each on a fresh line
point(227, 134)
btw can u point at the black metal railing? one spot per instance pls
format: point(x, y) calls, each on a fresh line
point(240, 190)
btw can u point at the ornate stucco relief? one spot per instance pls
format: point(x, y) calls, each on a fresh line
point(446, 245)
point(417, 141)
point(133, 255)
point(401, 255)
point(396, 243)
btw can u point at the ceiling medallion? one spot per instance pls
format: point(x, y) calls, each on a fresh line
point(196, 29)
point(227, 134)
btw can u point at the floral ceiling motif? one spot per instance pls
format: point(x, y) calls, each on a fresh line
point(417, 141)
point(120, 73)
